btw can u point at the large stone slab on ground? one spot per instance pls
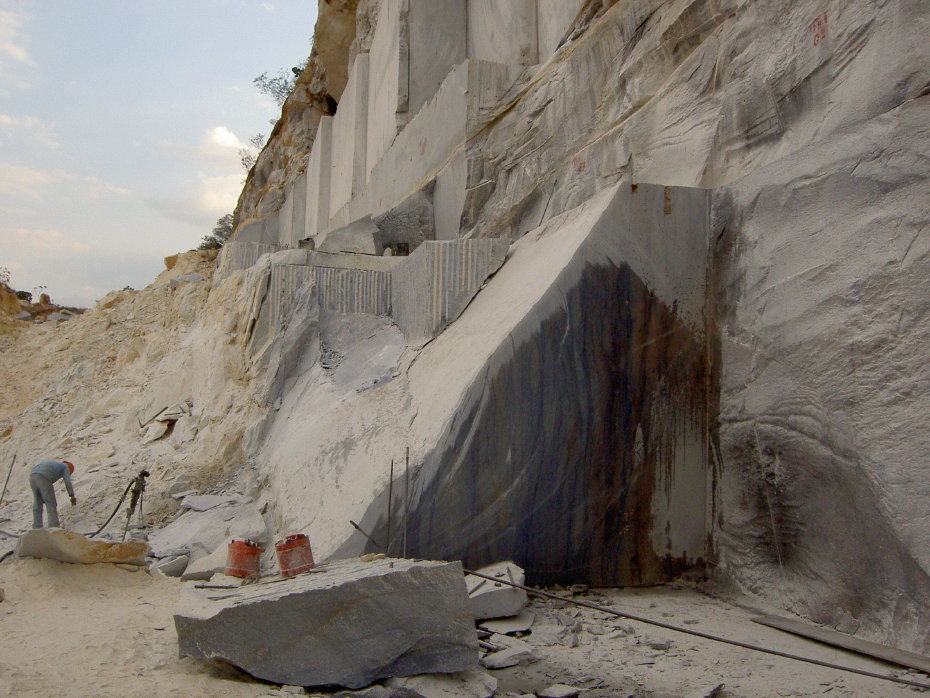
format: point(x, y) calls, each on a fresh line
point(68, 546)
point(493, 599)
point(348, 626)
point(206, 530)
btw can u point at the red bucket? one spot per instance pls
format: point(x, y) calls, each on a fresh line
point(243, 559)
point(294, 555)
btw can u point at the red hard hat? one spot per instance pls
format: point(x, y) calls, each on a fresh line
point(70, 465)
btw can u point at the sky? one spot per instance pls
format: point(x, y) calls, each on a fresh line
point(121, 123)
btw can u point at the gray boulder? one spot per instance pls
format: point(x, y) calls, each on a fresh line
point(207, 530)
point(351, 625)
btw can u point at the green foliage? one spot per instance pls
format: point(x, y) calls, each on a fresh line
point(278, 87)
point(221, 232)
point(5, 276)
point(246, 156)
point(24, 296)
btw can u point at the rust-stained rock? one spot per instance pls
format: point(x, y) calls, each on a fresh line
point(68, 546)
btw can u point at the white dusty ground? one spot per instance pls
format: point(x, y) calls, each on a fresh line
point(48, 647)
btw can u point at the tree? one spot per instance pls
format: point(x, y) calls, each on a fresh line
point(247, 156)
point(221, 232)
point(5, 276)
point(280, 86)
point(24, 296)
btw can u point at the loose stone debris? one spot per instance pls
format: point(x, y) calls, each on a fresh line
point(559, 690)
point(512, 653)
point(354, 624)
point(491, 600)
point(473, 683)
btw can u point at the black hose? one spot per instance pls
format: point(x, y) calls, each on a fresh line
point(105, 523)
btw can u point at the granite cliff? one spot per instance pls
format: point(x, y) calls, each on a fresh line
point(638, 285)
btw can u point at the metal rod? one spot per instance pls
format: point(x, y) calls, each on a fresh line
point(10, 472)
point(406, 497)
point(697, 633)
point(360, 530)
point(390, 502)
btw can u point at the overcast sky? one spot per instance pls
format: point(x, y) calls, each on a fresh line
point(120, 126)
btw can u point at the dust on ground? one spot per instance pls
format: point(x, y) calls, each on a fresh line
point(107, 630)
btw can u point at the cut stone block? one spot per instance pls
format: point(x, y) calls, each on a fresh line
point(348, 626)
point(209, 529)
point(493, 600)
point(350, 136)
point(205, 567)
point(438, 281)
point(359, 237)
point(237, 255)
point(474, 683)
point(319, 168)
point(502, 32)
point(515, 652)
point(437, 35)
point(387, 92)
point(68, 546)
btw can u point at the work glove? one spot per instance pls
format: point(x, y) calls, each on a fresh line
point(73, 501)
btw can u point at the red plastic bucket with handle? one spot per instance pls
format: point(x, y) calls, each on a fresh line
point(243, 559)
point(294, 555)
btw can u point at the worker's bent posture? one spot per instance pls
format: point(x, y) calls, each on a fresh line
point(42, 480)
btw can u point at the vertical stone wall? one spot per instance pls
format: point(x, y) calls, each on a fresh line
point(354, 290)
point(319, 173)
point(431, 288)
point(350, 137)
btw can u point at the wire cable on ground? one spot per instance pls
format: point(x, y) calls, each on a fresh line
point(698, 633)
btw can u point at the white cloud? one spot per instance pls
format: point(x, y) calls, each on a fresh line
point(215, 197)
point(268, 7)
point(33, 128)
point(16, 180)
point(38, 239)
point(97, 189)
point(13, 53)
point(217, 151)
point(218, 195)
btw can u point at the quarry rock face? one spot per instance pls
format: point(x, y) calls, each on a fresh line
point(821, 310)
point(663, 309)
point(68, 546)
point(348, 626)
point(603, 478)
